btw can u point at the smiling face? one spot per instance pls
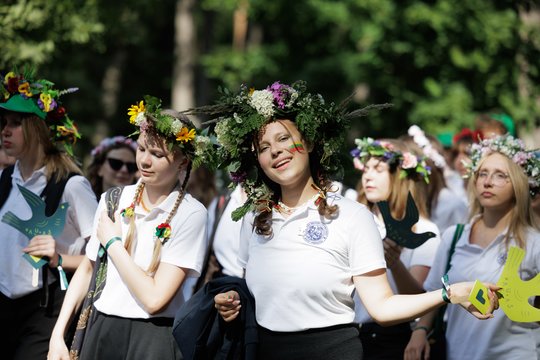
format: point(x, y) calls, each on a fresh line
point(376, 180)
point(493, 186)
point(283, 155)
point(158, 166)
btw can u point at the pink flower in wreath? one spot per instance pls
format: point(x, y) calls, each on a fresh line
point(409, 161)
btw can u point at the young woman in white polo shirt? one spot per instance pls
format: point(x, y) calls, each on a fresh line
point(389, 173)
point(304, 250)
point(501, 172)
point(34, 127)
point(156, 241)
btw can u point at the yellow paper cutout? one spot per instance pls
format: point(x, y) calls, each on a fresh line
point(515, 293)
point(479, 297)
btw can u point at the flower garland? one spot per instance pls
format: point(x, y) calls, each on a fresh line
point(511, 147)
point(419, 137)
point(112, 141)
point(409, 164)
point(20, 92)
point(199, 147)
point(239, 117)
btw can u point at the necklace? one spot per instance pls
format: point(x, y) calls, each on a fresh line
point(287, 210)
point(143, 205)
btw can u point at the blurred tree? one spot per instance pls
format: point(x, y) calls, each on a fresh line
point(440, 62)
point(32, 29)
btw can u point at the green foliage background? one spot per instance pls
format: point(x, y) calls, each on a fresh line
point(440, 62)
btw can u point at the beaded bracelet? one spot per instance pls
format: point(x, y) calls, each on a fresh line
point(111, 241)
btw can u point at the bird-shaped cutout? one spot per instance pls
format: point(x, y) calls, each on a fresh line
point(39, 223)
point(515, 293)
point(401, 230)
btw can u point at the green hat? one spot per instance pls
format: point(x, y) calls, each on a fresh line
point(18, 103)
point(507, 121)
point(21, 92)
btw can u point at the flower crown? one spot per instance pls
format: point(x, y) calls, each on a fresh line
point(198, 147)
point(419, 137)
point(112, 141)
point(410, 164)
point(241, 115)
point(514, 149)
point(23, 93)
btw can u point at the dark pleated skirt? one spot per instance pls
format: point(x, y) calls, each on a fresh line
point(339, 342)
point(113, 337)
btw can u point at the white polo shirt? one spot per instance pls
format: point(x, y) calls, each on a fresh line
point(186, 248)
point(451, 209)
point(499, 337)
point(226, 239)
point(423, 255)
point(15, 271)
point(301, 277)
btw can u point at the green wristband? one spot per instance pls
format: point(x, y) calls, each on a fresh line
point(111, 241)
point(445, 289)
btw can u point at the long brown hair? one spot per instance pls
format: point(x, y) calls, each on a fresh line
point(263, 220)
point(399, 188)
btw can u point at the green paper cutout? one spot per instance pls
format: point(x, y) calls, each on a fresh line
point(401, 230)
point(515, 293)
point(39, 223)
point(479, 297)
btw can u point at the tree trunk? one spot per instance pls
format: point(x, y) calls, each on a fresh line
point(183, 91)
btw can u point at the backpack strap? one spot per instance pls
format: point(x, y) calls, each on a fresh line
point(5, 184)
point(457, 235)
point(53, 193)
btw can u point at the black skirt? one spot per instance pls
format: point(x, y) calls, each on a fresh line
point(113, 337)
point(340, 342)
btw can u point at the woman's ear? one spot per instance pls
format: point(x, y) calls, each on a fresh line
point(183, 163)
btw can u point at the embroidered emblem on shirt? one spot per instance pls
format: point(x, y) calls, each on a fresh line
point(501, 258)
point(316, 232)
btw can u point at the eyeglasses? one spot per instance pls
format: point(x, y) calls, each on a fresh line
point(497, 178)
point(116, 165)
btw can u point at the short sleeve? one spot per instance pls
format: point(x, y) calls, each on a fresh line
point(92, 246)
point(365, 249)
point(246, 231)
point(187, 248)
point(82, 203)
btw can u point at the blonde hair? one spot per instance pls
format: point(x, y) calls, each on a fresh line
point(58, 164)
point(522, 215)
point(131, 239)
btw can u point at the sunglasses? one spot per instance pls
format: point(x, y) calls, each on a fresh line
point(116, 165)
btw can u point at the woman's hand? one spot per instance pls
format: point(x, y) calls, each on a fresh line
point(43, 245)
point(107, 229)
point(228, 305)
point(418, 345)
point(57, 349)
point(459, 294)
point(392, 252)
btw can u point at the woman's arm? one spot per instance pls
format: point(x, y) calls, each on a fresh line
point(155, 291)
point(389, 309)
point(418, 347)
point(75, 295)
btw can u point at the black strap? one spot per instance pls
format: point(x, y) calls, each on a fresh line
point(5, 184)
